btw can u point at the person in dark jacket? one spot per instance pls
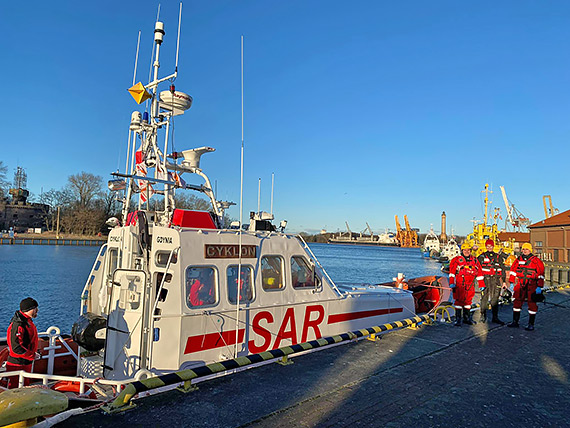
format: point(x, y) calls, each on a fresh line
point(495, 279)
point(22, 340)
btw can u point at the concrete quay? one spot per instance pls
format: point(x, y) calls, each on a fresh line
point(435, 376)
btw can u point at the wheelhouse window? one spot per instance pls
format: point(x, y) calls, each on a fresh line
point(272, 273)
point(301, 273)
point(201, 286)
point(245, 283)
point(113, 261)
point(162, 257)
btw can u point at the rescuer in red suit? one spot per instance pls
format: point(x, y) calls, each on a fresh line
point(527, 275)
point(494, 276)
point(22, 340)
point(464, 270)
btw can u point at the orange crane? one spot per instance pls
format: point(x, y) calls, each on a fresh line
point(406, 237)
point(413, 235)
point(399, 232)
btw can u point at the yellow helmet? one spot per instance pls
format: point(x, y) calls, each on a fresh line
point(466, 246)
point(527, 246)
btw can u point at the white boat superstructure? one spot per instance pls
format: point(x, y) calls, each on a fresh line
point(450, 249)
point(388, 238)
point(431, 243)
point(176, 289)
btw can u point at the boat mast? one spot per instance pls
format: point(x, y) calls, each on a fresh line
point(486, 203)
point(238, 285)
point(272, 186)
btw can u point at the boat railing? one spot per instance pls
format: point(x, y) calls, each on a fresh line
point(47, 378)
point(319, 264)
point(91, 278)
point(54, 335)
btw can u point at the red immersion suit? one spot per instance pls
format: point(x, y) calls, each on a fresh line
point(463, 272)
point(527, 273)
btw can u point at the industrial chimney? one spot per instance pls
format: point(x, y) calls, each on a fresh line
point(443, 236)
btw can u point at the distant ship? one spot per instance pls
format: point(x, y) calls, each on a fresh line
point(387, 239)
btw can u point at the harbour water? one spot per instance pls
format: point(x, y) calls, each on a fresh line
point(55, 275)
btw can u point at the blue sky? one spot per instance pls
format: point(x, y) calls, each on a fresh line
point(363, 110)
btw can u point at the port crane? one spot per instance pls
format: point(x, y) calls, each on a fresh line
point(413, 235)
point(348, 229)
point(407, 237)
point(370, 230)
point(549, 212)
point(514, 217)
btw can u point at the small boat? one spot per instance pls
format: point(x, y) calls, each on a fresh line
point(450, 250)
point(429, 291)
point(431, 247)
point(61, 346)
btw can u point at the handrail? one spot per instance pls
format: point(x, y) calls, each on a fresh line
point(153, 318)
point(45, 378)
point(91, 275)
point(319, 264)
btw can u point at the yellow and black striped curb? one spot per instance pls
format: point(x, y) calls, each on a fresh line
point(122, 402)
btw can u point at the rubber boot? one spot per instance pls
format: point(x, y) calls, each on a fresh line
point(467, 317)
point(515, 322)
point(483, 316)
point(531, 319)
point(457, 317)
point(496, 320)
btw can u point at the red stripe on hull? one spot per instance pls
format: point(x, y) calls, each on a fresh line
point(333, 319)
point(204, 342)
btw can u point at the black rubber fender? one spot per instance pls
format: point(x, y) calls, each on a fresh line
point(84, 330)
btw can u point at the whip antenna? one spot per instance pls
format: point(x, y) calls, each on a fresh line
point(259, 196)
point(178, 38)
point(136, 59)
point(272, 186)
point(238, 285)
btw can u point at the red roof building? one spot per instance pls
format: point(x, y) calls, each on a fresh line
point(519, 238)
point(551, 237)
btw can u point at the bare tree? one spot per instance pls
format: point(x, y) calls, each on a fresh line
point(192, 202)
point(3, 182)
point(85, 188)
point(53, 199)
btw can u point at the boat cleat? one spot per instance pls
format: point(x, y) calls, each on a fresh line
point(187, 387)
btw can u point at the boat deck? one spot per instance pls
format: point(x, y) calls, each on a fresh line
point(438, 375)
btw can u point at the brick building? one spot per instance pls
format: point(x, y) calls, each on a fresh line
point(519, 238)
point(551, 238)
